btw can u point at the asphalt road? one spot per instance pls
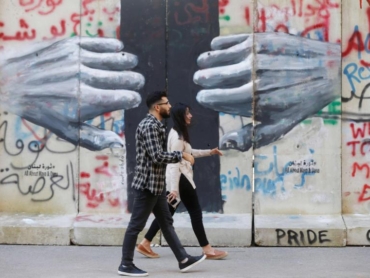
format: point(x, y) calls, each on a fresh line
point(87, 261)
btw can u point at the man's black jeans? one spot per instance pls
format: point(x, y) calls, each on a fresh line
point(144, 203)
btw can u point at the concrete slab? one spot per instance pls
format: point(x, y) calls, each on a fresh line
point(358, 229)
point(104, 229)
point(23, 228)
point(231, 230)
point(299, 230)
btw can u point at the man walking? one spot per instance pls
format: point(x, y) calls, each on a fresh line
point(149, 187)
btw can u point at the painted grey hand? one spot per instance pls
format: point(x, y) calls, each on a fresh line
point(63, 84)
point(295, 78)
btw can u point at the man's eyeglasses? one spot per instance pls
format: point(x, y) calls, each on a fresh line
point(164, 103)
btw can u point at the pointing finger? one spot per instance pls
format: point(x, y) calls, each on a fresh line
point(232, 55)
point(278, 43)
point(95, 102)
point(225, 77)
point(284, 62)
point(223, 42)
point(233, 101)
point(100, 45)
point(109, 61)
point(102, 79)
point(97, 78)
point(72, 101)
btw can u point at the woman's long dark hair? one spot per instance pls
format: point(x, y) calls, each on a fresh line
point(178, 112)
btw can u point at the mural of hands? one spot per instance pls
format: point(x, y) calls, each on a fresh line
point(286, 79)
point(62, 84)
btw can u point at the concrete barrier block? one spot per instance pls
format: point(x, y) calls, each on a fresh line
point(358, 229)
point(299, 230)
point(104, 229)
point(230, 230)
point(23, 228)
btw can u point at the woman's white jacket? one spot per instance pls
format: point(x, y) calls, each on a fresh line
point(174, 170)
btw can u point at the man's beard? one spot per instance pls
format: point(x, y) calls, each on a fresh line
point(164, 114)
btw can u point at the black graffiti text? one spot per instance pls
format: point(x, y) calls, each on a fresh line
point(301, 238)
point(33, 147)
point(361, 97)
point(49, 183)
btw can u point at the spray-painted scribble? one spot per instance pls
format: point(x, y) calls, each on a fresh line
point(61, 85)
point(295, 78)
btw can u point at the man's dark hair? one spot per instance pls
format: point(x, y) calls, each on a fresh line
point(155, 96)
point(178, 112)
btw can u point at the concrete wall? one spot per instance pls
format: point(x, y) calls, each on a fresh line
point(294, 106)
point(355, 127)
point(297, 178)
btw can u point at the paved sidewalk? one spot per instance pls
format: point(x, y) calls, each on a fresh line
point(91, 262)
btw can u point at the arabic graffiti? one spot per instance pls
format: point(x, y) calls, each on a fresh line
point(45, 185)
point(270, 177)
point(19, 35)
point(303, 166)
point(96, 18)
point(41, 170)
point(43, 7)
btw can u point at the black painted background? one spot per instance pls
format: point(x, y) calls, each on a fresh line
point(170, 51)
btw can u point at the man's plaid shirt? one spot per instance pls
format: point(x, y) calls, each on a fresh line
point(151, 157)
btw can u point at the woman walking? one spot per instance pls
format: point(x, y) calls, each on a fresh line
point(180, 184)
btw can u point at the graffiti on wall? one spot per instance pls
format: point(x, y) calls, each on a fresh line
point(357, 72)
point(92, 76)
point(359, 148)
point(69, 86)
point(296, 78)
point(301, 238)
point(108, 189)
point(41, 74)
point(283, 32)
point(66, 83)
point(92, 20)
point(356, 116)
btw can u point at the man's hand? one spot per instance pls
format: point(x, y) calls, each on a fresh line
point(188, 157)
point(63, 84)
point(295, 78)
